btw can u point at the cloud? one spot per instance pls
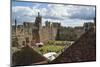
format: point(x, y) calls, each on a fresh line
point(54, 12)
point(82, 12)
point(23, 11)
point(61, 12)
point(23, 14)
point(58, 11)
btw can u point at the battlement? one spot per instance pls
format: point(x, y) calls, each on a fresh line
point(48, 24)
point(55, 24)
point(52, 24)
point(28, 24)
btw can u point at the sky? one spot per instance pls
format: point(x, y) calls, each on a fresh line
point(67, 15)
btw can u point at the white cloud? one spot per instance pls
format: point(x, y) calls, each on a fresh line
point(22, 10)
point(55, 12)
point(82, 12)
point(23, 14)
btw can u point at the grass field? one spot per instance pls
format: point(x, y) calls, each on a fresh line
point(50, 48)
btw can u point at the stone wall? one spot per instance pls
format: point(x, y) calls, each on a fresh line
point(83, 50)
point(29, 30)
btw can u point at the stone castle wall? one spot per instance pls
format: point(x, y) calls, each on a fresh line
point(35, 31)
point(30, 30)
point(48, 33)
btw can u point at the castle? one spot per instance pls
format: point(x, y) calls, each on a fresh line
point(35, 31)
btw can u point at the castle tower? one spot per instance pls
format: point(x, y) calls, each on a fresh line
point(47, 24)
point(38, 25)
point(38, 21)
point(56, 25)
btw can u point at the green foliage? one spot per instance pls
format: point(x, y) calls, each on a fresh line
point(51, 42)
point(50, 48)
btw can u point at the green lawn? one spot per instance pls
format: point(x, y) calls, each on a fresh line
point(50, 48)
